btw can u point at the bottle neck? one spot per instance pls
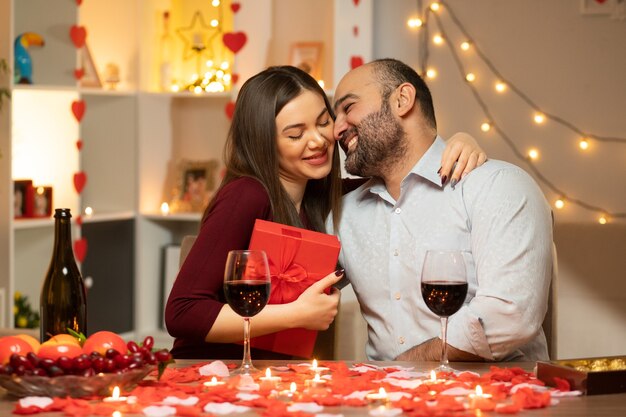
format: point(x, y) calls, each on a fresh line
point(63, 238)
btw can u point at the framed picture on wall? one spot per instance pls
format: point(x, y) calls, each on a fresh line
point(194, 185)
point(308, 57)
point(42, 201)
point(90, 77)
point(21, 190)
point(597, 7)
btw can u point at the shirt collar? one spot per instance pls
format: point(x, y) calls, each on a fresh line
point(426, 167)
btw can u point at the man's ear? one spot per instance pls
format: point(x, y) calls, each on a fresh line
point(405, 99)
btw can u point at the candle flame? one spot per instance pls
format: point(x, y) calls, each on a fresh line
point(292, 387)
point(214, 380)
point(116, 393)
point(433, 376)
point(268, 373)
point(116, 414)
point(382, 392)
point(317, 378)
point(479, 390)
point(314, 365)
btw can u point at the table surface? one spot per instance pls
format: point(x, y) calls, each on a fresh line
point(613, 405)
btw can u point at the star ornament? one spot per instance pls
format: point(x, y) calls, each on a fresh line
point(198, 37)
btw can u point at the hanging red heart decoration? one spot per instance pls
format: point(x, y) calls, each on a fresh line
point(78, 35)
point(80, 179)
point(356, 61)
point(79, 145)
point(234, 78)
point(356, 2)
point(80, 249)
point(78, 73)
point(355, 31)
point(234, 41)
point(79, 2)
point(78, 108)
point(230, 109)
point(235, 7)
point(600, 1)
point(79, 220)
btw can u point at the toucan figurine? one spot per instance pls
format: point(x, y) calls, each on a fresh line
point(23, 63)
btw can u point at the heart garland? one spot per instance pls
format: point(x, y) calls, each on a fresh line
point(356, 2)
point(234, 40)
point(235, 7)
point(79, 73)
point(78, 108)
point(230, 109)
point(355, 31)
point(234, 78)
point(356, 61)
point(78, 34)
point(80, 249)
point(80, 179)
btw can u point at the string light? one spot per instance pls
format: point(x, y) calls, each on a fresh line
point(435, 6)
point(214, 23)
point(485, 127)
point(465, 46)
point(502, 85)
point(471, 77)
point(539, 118)
point(583, 144)
point(415, 23)
point(559, 203)
point(437, 39)
point(431, 73)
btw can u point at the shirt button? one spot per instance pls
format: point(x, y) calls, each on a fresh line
point(398, 210)
point(401, 340)
point(396, 253)
point(398, 296)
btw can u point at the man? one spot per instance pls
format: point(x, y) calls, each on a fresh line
point(497, 213)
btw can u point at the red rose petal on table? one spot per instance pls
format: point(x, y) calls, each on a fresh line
point(235, 7)
point(187, 411)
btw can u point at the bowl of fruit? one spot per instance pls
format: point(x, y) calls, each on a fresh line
point(66, 365)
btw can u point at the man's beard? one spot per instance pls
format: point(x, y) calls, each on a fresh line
point(381, 143)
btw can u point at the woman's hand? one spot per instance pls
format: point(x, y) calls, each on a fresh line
point(465, 151)
point(316, 308)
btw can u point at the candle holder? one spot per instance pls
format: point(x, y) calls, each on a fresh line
point(288, 395)
point(115, 397)
point(268, 381)
point(318, 369)
point(213, 383)
point(481, 401)
point(377, 399)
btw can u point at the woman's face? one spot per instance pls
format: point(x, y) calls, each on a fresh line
point(304, 139)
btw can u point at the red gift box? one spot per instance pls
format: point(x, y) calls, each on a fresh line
point(297, 258)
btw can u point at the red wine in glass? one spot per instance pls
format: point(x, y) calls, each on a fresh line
point(247, 290)
point(444, 298)
point(444, 287)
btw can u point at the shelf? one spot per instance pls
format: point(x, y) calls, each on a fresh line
point(109, 217)
point(185, 94)
point(174, 217)
point(19, 224)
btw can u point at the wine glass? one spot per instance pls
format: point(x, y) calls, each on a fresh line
point(247, 290)
point(444, 287)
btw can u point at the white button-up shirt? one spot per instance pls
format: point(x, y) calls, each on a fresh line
point(497, 214)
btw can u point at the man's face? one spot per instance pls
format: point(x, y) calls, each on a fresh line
point(366, 128)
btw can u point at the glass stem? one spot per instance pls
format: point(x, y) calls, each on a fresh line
point(247, 359)
point(444, 341)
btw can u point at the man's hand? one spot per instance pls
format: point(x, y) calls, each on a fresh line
point(430, 350)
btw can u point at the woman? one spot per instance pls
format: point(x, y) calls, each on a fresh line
point(281, 166)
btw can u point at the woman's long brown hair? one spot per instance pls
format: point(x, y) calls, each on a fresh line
point(251, 147)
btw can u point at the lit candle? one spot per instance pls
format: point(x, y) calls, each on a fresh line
point(378, 398)
point(434, 379)
point(213, 383)
point(317, 381)
point(115, 397)
point(288, 395)
point(318, 369)
point(481, 401)
point(165, 209)
point(268, 381)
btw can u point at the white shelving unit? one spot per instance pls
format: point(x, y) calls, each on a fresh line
point(133, 137)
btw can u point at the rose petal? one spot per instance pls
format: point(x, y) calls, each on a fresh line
point(385, 412)
point(41, 402)
point(243, 396)
point(306, 407)
point(224, 408)
point(403, 383)
point(457, 391)
point(217, 368)
point(159, 411)
point(170, 400)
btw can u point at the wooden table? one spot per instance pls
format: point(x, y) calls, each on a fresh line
point(613, 405)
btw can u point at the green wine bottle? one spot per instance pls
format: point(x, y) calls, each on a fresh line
point(63, 303)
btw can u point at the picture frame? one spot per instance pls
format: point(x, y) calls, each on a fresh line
point(308, 57)
point(194, 186)
point(22, 190)
point(595, 7)
point(41, 201)
point(91, 77)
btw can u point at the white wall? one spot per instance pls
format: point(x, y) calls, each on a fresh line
point(573, 66)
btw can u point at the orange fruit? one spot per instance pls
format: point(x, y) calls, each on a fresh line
point(34, 343)
point(55, 350)
point(10, 345)
point(102, 341)
point(64, 339)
